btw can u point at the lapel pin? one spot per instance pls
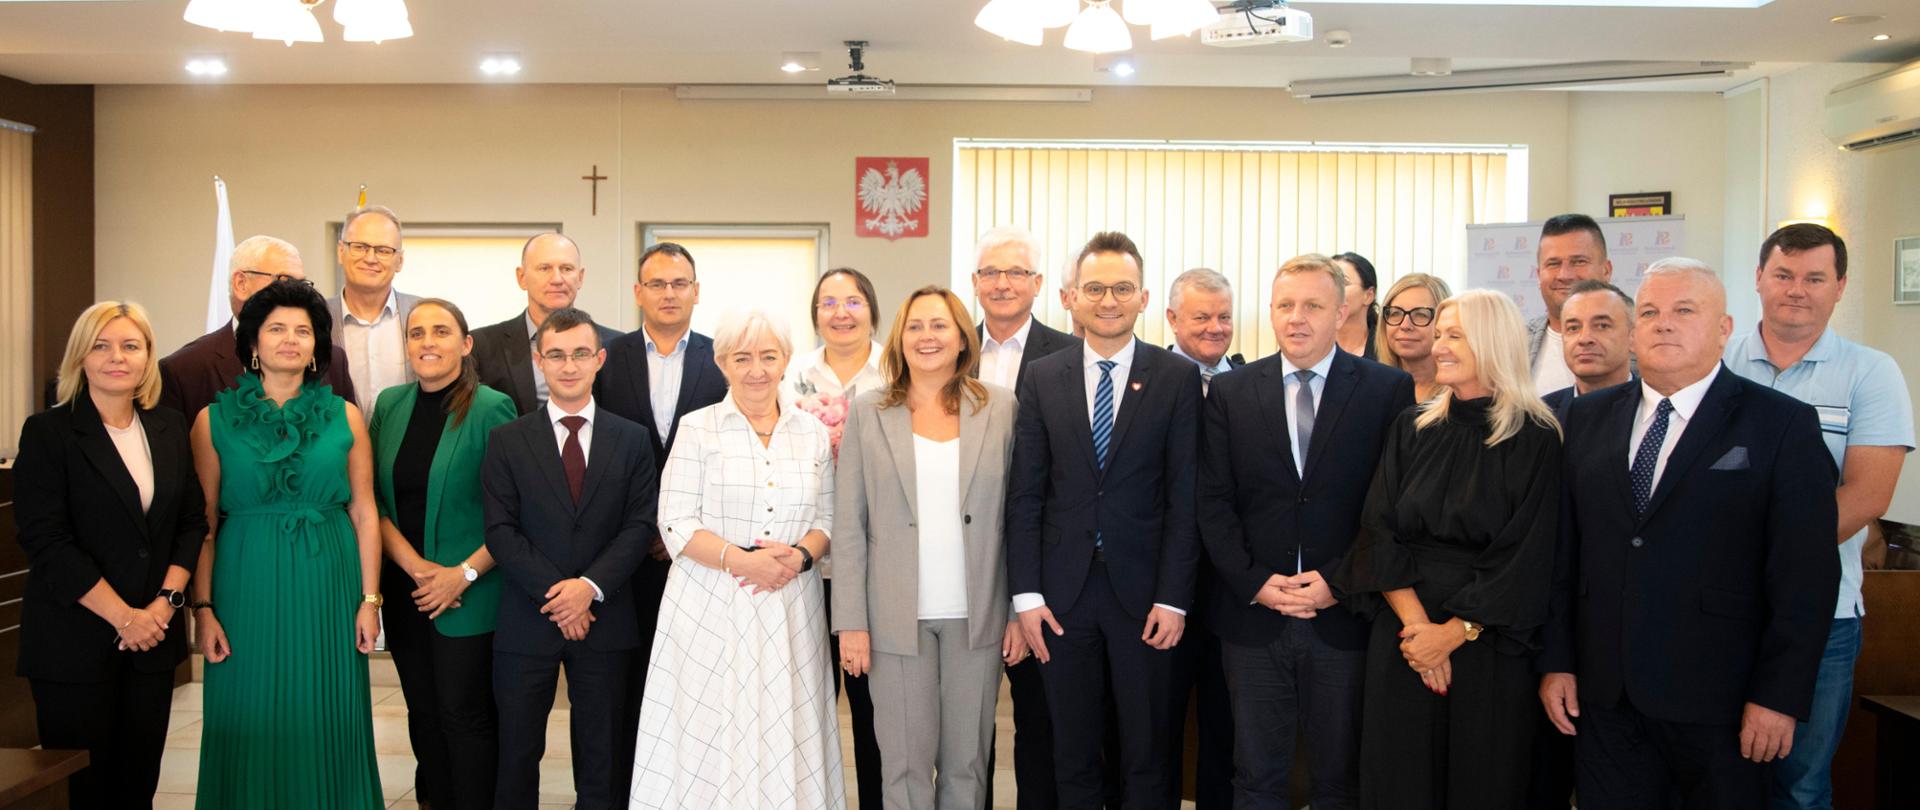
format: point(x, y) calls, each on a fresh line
point(1135, 386)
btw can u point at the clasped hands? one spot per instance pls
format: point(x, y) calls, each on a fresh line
point(1428, 649)
point(569, 604)
point(141, 629)
point(768, 568)
point(1301, 596)
point(439, 588)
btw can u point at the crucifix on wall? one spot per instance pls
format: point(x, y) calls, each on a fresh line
point(595, 176)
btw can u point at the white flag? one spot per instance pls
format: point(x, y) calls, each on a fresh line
point(219, 308)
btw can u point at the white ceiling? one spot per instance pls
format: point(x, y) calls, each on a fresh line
point(913, 42)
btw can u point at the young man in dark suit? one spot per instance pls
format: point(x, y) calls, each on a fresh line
point(653, 376)
point(551, 273)
point(570, 500)
point(1101, 544)
point(1696, 578)
point(1289, 447)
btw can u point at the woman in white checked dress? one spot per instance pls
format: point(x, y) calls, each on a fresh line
point(739, 709)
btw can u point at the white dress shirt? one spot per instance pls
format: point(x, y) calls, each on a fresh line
point(943, 547)
point(664, 373)
point(1685, 402)
point(1000, 360)
point(1318, 386)
point(1123, 359)
point(1207, 373)
point(554, 415)
point(376, 351)
point(1550, 371)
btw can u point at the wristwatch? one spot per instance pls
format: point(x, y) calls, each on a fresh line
point(806, 558)
point(374, 599)
point(1473, 629)
point(469, 571)
point(175, 599)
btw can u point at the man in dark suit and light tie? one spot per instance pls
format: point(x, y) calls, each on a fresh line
point(654, 375)
point(1101, 544)
point(195, 372)
point(1289, 446)
point(551, 273)
point(570, 501)
point(1200, 317)
point(1006, 280)
point(1596, 326)
point(1696, 578)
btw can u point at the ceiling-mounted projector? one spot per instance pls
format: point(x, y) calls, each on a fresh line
point(1258, 22)
point(859, 82)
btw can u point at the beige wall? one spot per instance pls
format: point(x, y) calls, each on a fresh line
point(1621, 143)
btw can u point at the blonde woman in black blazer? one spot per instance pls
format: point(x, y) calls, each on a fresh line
point(111, 517)
point(922, 596)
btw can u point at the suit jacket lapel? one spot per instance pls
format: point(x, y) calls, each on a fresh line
point(1333, 402)
point(697, 364)
point(386, 444)
point(444, 454)
point(105, 457)
point(165, 461)
point(546, 455)
point(1716, 409)
point(519, 363)
point(1074, 380)
point(1138, 378)
point(602, 450)
point(640, 372)
point(974, 424)
point(1272, 391)
point(896, 425)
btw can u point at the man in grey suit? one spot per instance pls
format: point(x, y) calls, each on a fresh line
point(1572, 249)
point(369, 315)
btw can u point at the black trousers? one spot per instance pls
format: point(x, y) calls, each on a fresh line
point(1032, 740)
point(451, 719)
point(1213, 716)
point(1100, 637)
point(866, 747)
point(1295, 684)
point(122, 725)
point(1551, 787)
point(1624, 760)
point(649, 583)
point(597, 689)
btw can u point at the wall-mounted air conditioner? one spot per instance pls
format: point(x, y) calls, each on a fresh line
point(1878, 111)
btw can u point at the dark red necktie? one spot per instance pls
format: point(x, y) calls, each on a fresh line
point(572, 458)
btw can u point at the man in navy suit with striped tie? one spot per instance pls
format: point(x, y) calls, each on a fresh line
point(1102, 547)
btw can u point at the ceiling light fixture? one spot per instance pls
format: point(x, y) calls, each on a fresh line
point(1118, 65)
point(1097, 27)
point(1855, 19)
point(501, 65)
point(1431, 66)
point(289, 21)
point(372, 20)
point(222, 15)
point(800, 61)
point(293, 21)
point(1882, 37)
point(207, 66)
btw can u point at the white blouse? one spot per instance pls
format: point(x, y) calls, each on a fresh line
point(809, 374)
point(131, 441)
point(719, 478)
point(943, 549)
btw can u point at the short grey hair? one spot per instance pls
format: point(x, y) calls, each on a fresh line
point(1204, 279)
point(254, 250)
point(1684, 266)
point(378, 210)
point(740, 330)
point(1009, 235)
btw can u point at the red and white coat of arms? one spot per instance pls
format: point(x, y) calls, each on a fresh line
point(890, 197)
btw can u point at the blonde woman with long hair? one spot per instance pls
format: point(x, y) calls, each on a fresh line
point(1406, 333)
point(1456, 543)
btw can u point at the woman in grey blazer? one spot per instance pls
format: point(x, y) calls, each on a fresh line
point(921, 593)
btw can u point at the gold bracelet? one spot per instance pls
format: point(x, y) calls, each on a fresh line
point(724, 548)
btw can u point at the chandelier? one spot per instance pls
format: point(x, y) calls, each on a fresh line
point(1096, 28)
point(292, 21)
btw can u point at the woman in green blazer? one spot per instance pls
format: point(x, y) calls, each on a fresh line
point(429, 438)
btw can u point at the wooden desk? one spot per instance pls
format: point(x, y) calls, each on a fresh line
point(1898, 749)
point(36, 780)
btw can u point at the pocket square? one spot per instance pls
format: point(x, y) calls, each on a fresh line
point(1735, 459)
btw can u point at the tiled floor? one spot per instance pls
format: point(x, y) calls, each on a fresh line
point(180, 768)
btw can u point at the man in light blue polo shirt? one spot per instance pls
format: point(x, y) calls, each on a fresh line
point(1866, 418)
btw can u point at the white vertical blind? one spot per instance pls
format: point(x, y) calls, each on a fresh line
point(1241, 211)
point(16, 285)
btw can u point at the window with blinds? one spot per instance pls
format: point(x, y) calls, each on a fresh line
point(17, 398)
point(1241, 209)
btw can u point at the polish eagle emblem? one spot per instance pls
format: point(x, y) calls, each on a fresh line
point(892, 201)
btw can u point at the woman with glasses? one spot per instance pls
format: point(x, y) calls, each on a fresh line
point(1406, 330)
point(1357, 334)
point(286, 600)
point(824, 382)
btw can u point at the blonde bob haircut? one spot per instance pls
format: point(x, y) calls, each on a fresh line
point(1498, 338)
point(893, 358)
point(1382, 333)
point(73, 372)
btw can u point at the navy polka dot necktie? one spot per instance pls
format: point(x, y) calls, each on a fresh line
point(1647, 456)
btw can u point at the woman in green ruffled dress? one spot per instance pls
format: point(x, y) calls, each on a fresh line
point(286, 596)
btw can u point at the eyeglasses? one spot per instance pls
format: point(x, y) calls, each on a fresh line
point(1122, 292)
point(1421, 316)
point(1016, 275)
point(851, 305)
point(560, 358)
point(277, 277)
point(356, 250)
point(660, 285)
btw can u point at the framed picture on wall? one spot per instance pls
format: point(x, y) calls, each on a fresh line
point(1642, 204)
point(1906, 270)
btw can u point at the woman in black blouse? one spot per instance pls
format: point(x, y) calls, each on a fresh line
point(111, 517)
point(1457, 541)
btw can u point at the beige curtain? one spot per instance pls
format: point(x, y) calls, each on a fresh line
point(1241, 212)
point(16, 283)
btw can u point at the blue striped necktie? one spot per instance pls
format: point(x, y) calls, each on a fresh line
point(1103, 412)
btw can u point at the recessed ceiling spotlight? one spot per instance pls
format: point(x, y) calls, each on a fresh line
point(1118, 65)
point(207, 66)
point(503, 65)
point(1855, 19)
point(1339, 39)
point(1882, 37)
point(800, 61)
point(1431, 66)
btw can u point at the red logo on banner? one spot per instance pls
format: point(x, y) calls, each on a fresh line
point(890, 197)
